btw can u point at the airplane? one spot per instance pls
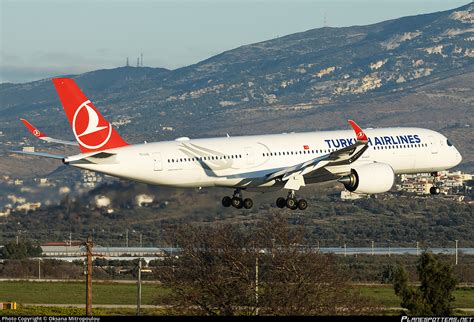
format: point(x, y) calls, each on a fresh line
point(363, 161)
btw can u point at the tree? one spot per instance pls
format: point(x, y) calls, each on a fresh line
point(23, 249)
point(434, 295)
point(215, 273)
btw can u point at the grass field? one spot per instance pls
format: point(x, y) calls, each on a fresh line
point(384, 294)
point(125, 294)
point(74, 292)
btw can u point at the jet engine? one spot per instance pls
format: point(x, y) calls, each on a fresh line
point(369, 178)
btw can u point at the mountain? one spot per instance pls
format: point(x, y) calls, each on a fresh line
point(413, 71)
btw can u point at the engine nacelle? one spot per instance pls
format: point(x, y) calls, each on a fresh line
point(369, 178)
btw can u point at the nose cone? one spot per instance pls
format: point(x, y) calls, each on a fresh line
point(458, 157)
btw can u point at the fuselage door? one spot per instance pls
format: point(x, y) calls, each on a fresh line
point(433, 145)
point(157, 162)
point(249, 155)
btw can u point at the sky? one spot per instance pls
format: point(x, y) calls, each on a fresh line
point(44, 38)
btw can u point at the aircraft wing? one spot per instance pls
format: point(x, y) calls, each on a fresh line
point(40, 135)
point(294, 176)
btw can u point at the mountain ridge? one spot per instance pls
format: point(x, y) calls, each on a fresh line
point(312, 79)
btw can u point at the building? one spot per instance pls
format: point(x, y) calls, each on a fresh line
point(28, 206)
point(448, 182)
point(77, 249)
point(90, 179)
point(102, 201)
point(347, 195)
point(143, 200)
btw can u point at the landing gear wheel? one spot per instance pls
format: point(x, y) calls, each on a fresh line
point(248, 203)
point(227, 201)
point(434, 190)
point(281, 202)
point(302, 204)
point(237, 202)
point(291, 203)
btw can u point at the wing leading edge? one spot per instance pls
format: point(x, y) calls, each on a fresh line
point(294, 176)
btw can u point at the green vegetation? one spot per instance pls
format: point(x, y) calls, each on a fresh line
point(73, 311)
point(215, 273)
point(388, 220)
point(114, 293)
point(385, 295)
point(74, 292)
point(434, 295)
point(20, 250)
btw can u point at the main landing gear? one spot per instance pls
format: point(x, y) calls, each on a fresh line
point(291, 202)
point(237, 201)
point(434, 190)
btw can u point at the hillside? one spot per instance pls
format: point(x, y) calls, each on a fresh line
point(414, 71)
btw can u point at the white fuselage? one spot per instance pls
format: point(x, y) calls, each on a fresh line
point(234, 161)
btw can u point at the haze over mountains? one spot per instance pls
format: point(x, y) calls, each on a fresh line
point(411, 71)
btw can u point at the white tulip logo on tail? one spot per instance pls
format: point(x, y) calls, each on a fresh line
point(87, 130)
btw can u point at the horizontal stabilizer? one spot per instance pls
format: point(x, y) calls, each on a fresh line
point(40, 135)
point(41, 154)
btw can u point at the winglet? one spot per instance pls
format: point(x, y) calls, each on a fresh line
point(33, 129)
point(360, 135)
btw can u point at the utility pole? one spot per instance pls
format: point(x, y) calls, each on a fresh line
point(39, 268)
point(372, 247)
point(456, 251)
point(89, 244)
point(126, 238)
point(256, 284)
point(345, 250)
point(141, 240)
point(139, 286)
point(417, 248)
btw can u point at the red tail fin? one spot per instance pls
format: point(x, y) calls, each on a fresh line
point(91, 129)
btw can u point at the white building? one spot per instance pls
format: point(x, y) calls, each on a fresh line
point(347, 195)
point(28, 206)
point(143, 199)
point(102, 201)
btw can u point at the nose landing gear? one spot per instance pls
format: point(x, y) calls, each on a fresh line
point(237, 201)
point(291, 202)
point(434, 190)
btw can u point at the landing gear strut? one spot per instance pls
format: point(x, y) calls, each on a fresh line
point(291, 202)
point(434, 190)
point(237, 201)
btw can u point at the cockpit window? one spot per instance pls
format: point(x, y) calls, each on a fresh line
point(449, 143)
